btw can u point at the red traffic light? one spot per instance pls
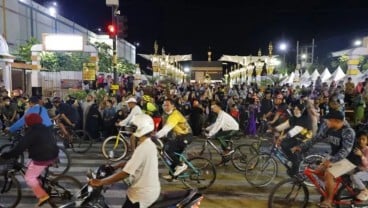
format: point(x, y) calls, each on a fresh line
point(111, 29)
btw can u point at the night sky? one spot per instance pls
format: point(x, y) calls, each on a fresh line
point(227, 26)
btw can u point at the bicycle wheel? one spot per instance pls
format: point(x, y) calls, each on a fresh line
point(10, 191)
point(346, 197)
point(114, 149)
point(62, 164)
point(201, 174)
point(290, 193)
point(312, 161)
point(242, 155)
point(261, 170)
point(62, 189)
point(198, 150)
point(7, 147)
point(81, 141)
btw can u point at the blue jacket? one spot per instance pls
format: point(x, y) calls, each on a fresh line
point(34, 109)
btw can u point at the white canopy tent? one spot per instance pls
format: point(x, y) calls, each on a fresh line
point(325, 75)
point(315, 75)
point(337, 75)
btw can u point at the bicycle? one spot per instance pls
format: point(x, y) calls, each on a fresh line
point(202, 150)
point(116, 148)
point(200, 174)
point(59, 167)
point(244, 152)
point(293, 192)
point(61, 189)
point(262, 169)
point(80, 141)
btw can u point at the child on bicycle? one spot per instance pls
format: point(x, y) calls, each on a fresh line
point(42, 150)
point(362, 175)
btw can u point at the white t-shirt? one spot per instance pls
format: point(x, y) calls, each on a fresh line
point(143, 174)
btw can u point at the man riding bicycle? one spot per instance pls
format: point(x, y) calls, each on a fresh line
point(179, 135)
point(224, 127)
point(141, 169)
point(134, 110)
point(34, 107)
point(66, 116)
point(338, 133)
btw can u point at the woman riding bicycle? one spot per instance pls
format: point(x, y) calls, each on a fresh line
point(42, 150)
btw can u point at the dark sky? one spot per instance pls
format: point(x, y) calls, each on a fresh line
point(227, 26)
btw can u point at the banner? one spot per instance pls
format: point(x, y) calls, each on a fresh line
point(89, 71)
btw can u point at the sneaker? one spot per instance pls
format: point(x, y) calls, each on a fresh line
point(180, 168)
point(227, 152)
point(169, 178)
point(43, 200)
point(363, 195)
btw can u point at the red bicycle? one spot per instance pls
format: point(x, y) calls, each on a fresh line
point(293, 192)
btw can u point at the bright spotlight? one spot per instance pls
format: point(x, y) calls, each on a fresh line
point(186, 69)
point(283, 46)
point(52, 11)
point(357, 43)
point(304, 56)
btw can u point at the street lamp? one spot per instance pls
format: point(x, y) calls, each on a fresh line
point(283, 48)
point(357, 43)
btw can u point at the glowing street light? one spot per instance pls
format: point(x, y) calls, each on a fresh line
point(186, 69)
point(357, 43)
point(283, 46)
point(304, 56)
point(52, 11)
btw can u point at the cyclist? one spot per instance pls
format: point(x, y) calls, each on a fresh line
point(301, 131)
point(280, 111)
point(66, 116)
point(179, 135)
point(42, 151)
point(134, 110)
point(224, 127)
point(141, 169)
point(338, 133)
point(34, 107)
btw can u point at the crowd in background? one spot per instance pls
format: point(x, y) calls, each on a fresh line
point(247, 104)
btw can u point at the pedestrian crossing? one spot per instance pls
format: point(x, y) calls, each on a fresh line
point(229, 183)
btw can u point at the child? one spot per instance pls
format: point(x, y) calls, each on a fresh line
point(362, 175)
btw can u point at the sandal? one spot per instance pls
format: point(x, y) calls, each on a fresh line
point(325, 205)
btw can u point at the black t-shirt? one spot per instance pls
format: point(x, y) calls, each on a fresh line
point(69, 112)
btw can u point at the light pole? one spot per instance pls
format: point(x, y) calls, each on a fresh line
point(283, 48)
point(114, 4)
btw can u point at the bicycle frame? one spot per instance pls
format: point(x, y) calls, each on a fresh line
point(164, 156)
point(209, 142)
point(121, 135)
point(310, 173)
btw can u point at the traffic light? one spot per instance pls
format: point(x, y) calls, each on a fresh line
point(122, 29)
point(111, 30)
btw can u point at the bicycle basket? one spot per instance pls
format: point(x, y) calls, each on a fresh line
point(6, 165)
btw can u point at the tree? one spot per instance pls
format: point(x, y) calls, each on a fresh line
point(23, 51)
point(104, 56)
point(124, 67)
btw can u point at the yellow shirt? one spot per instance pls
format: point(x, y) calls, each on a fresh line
point(180, 124)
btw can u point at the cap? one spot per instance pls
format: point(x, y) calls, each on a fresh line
point(334, 114)
point(131, 100)
point(34, 99)
point(32, 119)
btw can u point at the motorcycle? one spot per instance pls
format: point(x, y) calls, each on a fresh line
point(92, 197)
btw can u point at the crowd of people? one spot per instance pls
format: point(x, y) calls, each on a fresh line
point(298, 117)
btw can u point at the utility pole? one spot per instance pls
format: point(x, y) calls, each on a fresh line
point(114, 4)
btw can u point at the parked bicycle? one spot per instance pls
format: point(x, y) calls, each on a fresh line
point(293, 192)
point(79, 140)
point(61, 189)
point(200, 174)
point(117, 147)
